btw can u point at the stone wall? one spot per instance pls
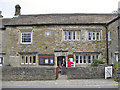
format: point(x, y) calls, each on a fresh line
point(28, 73)
point(94, 72)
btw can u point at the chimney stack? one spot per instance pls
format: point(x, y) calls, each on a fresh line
point(17, 10)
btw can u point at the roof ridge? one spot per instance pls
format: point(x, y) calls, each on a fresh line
point(68, 14)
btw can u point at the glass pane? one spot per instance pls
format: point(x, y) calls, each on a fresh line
point(89, 59)
point(34, 59)
point(84, 59)
point(89, 36)
point(93, 35)
point(46, 60)
point(51, 61)
point(30, 59)
point(26, 37)
point(22, 59)
point(65, 35)
point(80, 59)
point(26, 61)
point(69, 35)
point(73, 35)
point(41, 60)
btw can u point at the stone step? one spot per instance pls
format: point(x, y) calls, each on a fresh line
point(62, 77)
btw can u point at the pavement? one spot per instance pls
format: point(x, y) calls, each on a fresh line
point(62, 82)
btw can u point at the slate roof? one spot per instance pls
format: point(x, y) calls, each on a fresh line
point(61, 19)
point(5, 21)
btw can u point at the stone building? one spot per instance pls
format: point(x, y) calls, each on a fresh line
point(43, 40)
point(3, 44)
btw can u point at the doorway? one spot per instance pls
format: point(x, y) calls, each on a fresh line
point(59, 61)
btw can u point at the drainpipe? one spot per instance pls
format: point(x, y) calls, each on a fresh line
point(107, 57)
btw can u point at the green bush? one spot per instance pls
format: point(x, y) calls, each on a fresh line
point(96, 62)
point(115, 65)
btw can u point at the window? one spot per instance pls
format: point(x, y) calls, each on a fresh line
point(69, 35)
point(116, 57)
point(94, 36)
point(22, 60)
point(84, 59)
point(46, 60)
point(89, 36)
point(93, 57)
point(41, 61)
point(26, 37)
point(1, 61)
point(72, 35)
point(89, 59)
point(47, 33)
point(80, 59)
point(34, 59)
point(76, 59)
point(109, 36)
point(98, 36)
point(78, 35)
point(28, 60)
point(51, 61)
point(65, 35)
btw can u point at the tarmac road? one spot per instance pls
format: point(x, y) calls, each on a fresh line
point(76, 83)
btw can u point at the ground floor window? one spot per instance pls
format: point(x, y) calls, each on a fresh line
point(28, 59)
point(1, 61)
point(84, 59)
point(46, 60)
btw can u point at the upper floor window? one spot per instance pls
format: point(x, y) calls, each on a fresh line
point(109, 36)
point(94, 36)
point(26, 38)
point(71, 35)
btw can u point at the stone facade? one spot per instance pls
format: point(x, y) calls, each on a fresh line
point(28, 73)
point(113, 30)
point(54, 42)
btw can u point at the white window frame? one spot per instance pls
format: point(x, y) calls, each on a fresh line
point(26, 42)
point(23, 60)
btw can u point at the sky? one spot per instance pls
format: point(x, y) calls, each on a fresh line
point(57, 6)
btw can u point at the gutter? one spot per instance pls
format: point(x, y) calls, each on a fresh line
point(107, 50)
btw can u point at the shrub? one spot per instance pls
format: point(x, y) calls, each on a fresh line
point(115, 65)
point(96, 62)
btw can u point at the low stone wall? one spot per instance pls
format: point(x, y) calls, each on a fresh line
point(94, 72)
point(28, 73)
